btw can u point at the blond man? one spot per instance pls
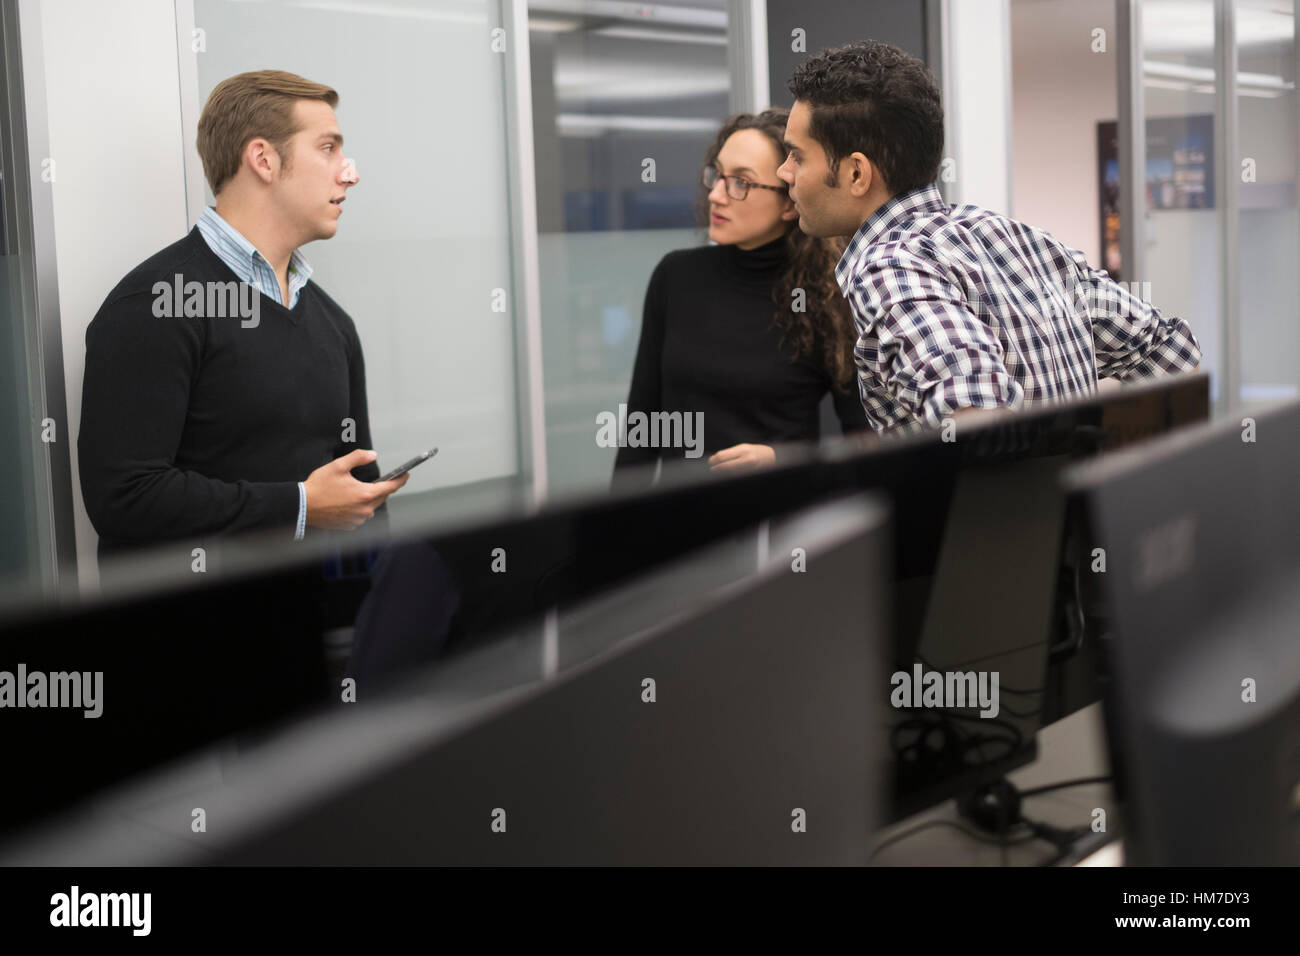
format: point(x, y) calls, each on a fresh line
point(224, 390)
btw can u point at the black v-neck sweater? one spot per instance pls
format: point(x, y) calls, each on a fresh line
point(710, 344)
point(195, 427)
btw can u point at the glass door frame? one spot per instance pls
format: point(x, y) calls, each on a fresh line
point(1227, 158)
point(29, 234)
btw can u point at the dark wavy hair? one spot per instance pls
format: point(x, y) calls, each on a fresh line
point(878, 100)
point(827, 319)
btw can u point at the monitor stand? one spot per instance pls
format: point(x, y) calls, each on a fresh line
point(995, 809)
point(990, 607)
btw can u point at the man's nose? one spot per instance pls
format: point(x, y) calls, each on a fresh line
point(782, 173)
point(349, 175)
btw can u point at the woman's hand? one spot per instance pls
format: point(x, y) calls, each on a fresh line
point(742, 456)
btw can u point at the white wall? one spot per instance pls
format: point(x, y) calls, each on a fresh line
point(977, 101)
point(425, 239)
point(119, 187)
point(1061, 90)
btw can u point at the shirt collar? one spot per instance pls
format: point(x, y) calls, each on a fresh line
point(299, 267)
point(895, 212)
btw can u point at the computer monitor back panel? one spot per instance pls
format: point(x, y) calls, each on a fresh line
point(983, 585)
point(718, 724)
point(1200, 535)
point(753, 750)
point(182, 667)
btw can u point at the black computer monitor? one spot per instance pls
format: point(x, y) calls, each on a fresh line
point(203, 656)
point(984, 560)
point(1200, 534)
point(695, 724)
point(188, 658)
point(983, 555)
point(986, 564)
point(160, 668)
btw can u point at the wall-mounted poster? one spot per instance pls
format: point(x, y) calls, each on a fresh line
point(1180, 173)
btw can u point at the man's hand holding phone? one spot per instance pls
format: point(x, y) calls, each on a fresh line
point(337, 500)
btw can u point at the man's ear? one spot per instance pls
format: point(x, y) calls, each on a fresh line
point(861, 174)
point(262, 159)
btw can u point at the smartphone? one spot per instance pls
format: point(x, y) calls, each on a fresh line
point(403, 469)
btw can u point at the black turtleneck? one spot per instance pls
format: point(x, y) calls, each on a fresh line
point(709, 343)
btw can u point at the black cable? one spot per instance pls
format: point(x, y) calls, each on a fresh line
point(1079, 782)
point(964, 742)
point(1014, 740)
point(1072, 642)
point(1062, 853)
point(1001, 687)
point(969, 831)
point(1062, 840)
point(951, 713)
point(1026, 715)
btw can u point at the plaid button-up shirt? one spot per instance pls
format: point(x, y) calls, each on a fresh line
point(958, 307)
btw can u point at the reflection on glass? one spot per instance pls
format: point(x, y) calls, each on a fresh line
point(423, 249)
point(20, 551)
point(624, 107)
point(1268, 230)
point(1183, 244)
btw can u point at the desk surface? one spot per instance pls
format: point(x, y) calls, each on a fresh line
point(1068, 749)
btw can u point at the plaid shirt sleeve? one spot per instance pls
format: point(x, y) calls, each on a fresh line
point(1131, 339)
point(920, 343)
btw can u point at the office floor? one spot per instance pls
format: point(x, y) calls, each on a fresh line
point(1071, 748)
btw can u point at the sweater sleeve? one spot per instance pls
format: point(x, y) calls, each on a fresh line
point(645, 392)
point(359, 411)
point(134, 402)
point(848, 408)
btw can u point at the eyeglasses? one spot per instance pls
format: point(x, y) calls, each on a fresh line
point(737, 186)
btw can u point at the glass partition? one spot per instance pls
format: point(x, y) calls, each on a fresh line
point(1183, 246)
point(21, 555)
point(1268, 258)
point(1186, 46)
point(422, 257)
point(626, 100)
point(35, 505)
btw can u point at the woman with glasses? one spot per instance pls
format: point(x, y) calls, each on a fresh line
point(751, 332)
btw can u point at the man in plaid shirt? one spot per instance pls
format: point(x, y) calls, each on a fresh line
point(955, 307)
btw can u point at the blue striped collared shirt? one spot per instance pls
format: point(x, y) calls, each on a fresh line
point(251, 267)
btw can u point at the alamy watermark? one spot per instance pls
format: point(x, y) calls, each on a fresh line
point(207, 300)
point(945, 689)
point(1123, 300)
point(61, 689)
point(651, 430)
point(75, 908)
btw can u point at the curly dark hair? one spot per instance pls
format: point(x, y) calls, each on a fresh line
point(826, 319)
point(878, 100)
